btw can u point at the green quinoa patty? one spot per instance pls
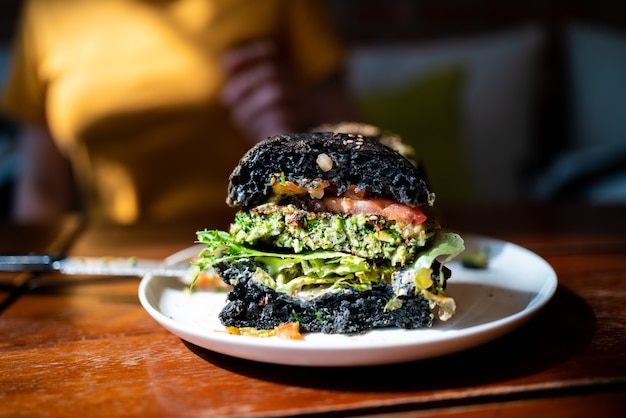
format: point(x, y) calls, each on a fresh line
point(368, 236)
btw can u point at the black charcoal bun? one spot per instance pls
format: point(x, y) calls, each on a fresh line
point(356, 160)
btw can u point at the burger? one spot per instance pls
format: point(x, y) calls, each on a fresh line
point(334, 233)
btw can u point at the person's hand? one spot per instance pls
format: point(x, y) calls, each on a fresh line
point(259, 92)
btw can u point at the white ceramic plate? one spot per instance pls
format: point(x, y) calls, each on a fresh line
point(490, 303)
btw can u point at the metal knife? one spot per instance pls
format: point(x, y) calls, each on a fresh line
point(109, 266)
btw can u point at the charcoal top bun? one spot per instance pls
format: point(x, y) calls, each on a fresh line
point(356, 160)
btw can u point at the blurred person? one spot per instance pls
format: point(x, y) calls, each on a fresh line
point(139, 109)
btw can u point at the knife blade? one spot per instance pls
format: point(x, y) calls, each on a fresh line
point(108, 266)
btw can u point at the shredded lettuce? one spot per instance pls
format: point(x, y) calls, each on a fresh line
point(291, 273)
point(310, 273)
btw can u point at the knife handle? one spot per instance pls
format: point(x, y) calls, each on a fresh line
point(31, 262)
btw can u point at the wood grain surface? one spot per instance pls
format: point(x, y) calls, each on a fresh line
point(84, 346)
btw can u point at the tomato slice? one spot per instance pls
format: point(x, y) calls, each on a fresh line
point(387, 208)
point(404, 213)
point(352, 202)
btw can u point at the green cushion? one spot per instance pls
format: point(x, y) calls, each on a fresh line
point(427, 113)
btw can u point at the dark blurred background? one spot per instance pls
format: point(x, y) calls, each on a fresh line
point(504, 101)
point(9, 10)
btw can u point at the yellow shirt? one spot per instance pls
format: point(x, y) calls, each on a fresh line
point(129, 91)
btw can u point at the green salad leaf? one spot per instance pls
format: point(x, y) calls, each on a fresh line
point(288, 272)
point(307, 274)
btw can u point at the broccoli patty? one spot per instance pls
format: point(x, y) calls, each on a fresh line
point(368, 236)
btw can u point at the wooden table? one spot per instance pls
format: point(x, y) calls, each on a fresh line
point(84, 346)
